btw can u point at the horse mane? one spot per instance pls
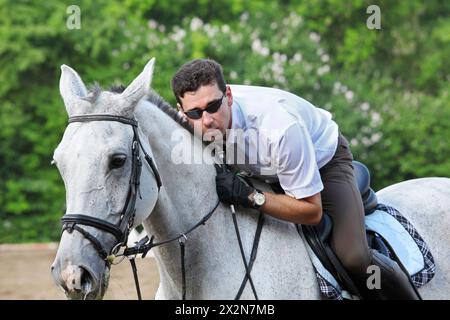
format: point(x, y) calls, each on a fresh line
point(155, 99)
point(164, 106)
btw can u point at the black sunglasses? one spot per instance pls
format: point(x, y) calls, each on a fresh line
point(212, 107)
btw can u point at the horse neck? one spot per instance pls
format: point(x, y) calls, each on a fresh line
point(180, 180)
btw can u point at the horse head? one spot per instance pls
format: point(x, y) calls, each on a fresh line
point(110, 189)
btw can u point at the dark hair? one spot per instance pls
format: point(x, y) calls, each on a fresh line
point(196, 73)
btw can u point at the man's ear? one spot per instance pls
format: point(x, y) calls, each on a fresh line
point(181, 112)
point(229, 95)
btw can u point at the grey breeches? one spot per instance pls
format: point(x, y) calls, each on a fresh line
point(342, 201)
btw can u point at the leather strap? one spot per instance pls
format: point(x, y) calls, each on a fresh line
point(253, 254)
point(241, 248)
point(331, 261)
point(135, 276)
point(69, 219)
point(181, 241)
point(103, 117)
point(97, 245)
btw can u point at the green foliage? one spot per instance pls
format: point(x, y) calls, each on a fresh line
point(387, 89)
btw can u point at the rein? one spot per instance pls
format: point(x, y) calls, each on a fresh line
point(146, 244)
point(122, 229)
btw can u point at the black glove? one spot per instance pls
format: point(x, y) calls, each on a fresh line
point(231, 188)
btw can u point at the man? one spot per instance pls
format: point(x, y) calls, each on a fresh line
point(299, 146)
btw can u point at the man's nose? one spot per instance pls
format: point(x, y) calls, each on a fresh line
point(207, 119)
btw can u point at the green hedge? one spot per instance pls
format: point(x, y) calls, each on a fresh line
point(388, 89)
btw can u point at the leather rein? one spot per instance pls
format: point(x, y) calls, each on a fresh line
point(121, 230)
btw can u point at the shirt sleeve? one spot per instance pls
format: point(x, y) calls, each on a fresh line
point(297, 168)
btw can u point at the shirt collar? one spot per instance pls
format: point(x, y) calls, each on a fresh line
point(237, 122)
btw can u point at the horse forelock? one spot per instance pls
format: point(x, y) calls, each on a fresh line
point(102, 101)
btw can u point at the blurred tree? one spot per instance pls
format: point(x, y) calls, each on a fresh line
point(387, 89)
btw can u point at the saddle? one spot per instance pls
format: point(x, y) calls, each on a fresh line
point(318, 236)
point(318, 239)
point(388, 233)
point(328, 266)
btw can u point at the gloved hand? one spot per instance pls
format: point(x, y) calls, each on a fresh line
point(231, 188)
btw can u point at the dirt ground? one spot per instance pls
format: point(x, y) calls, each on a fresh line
point(25, 275)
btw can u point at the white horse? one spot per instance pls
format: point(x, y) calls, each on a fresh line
point(214, 267)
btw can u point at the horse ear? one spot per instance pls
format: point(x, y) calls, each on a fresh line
point(71, 87)
point(140, 86)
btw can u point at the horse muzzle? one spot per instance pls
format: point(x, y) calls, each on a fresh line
point(79, 282)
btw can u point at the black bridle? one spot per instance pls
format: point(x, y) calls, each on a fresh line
point(122, 229)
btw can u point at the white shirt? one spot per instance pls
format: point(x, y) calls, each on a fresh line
point(278, 136)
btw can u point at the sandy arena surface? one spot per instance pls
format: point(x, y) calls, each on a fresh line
point(25, 274)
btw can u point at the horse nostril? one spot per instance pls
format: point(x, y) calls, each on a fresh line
point(76, 278)
point(87, 281)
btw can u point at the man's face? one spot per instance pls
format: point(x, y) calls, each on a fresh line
point(204, 97)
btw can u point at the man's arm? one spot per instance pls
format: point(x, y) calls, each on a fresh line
point(232, 190)
point(302, 211)
point(299, 176)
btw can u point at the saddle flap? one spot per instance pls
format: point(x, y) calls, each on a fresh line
point(370, 202)
point(323, 229)
point(362, 176)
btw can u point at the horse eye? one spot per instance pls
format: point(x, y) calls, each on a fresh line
point(117, 161)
